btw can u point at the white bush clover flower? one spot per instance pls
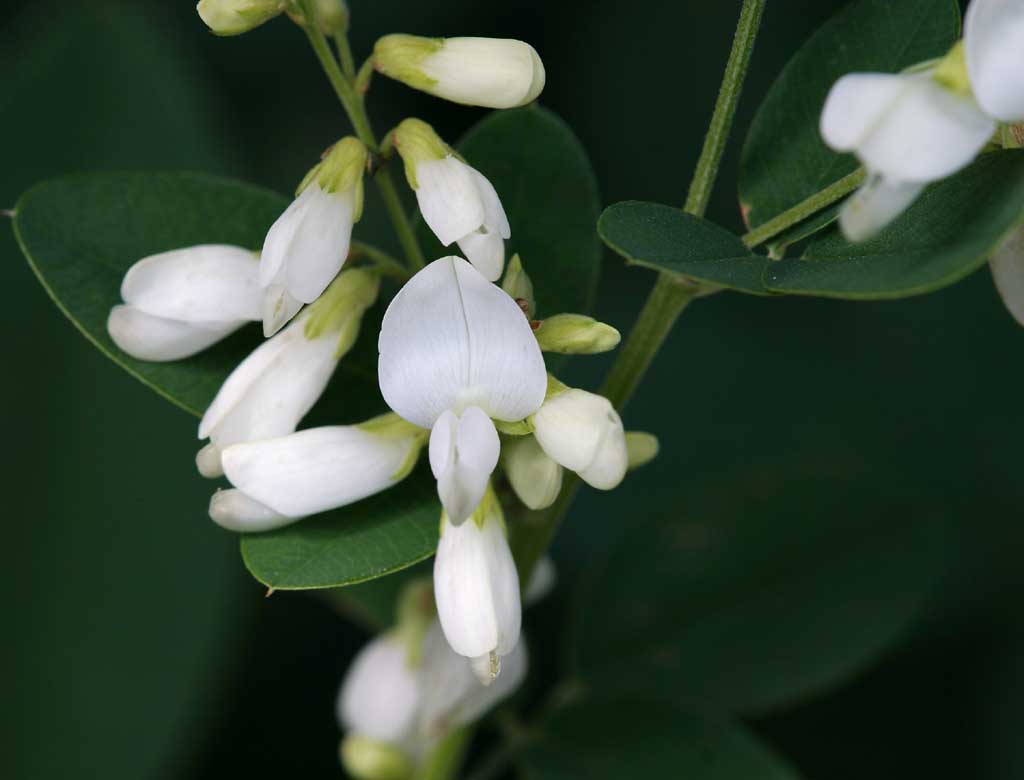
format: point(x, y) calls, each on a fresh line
point(234, 17)
point(582, 432)
point(912, 129)
point(455, 353)
point(180, 302)
point(272, 389)
point(489, 72)
point(278, 481)
point(308, 244)
point(476, 587)
point(457, 202)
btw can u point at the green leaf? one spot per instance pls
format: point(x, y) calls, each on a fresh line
point(767, 587)
point(647, 739)
point(546, 184)
point(948, 233)
point(371, 538)
point(668, 239)
point(784, 159)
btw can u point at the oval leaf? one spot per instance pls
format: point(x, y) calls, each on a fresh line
point(784, 159)
point(773, 585)
point(948, 233)
point(629, 738)
point(668, 239)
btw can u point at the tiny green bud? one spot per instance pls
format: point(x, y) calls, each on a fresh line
point(234, 17)
point(417, 142)
point(576, 334)
point(641, 447)
point(331, 16)
point(341, 168)
point(951, 72)
point(368, 759)
point(518, 285)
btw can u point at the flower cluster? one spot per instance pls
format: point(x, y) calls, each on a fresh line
point(460, 365)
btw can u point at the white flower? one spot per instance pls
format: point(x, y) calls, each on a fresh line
point(308, 244)
point(313, 471)
point(907, 130)
point(476, 588)
point(994, 49)
point(451, 694)
point(1007, 264)
point(535, 477)
point(491, 72)
point(542, 581)
point(583, 432)
point(181, 302)
point(457, 202)
point(233, 17)
point(381, 694)
point(455, 353)
point(272, 389)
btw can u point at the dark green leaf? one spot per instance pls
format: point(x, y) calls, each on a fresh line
point(949, 232)
point(546, 184)
point(668, 239)
point(638, 739)
point(784, 159)
point(766, 588)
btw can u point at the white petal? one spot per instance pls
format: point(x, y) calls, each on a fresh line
point(571, 426)
point(855, 105)
point(306, 247)
point(235, 511)
point(994, 41)
point(608, 468)
point(927, 134)
point(449, 198)
point(317, 469)
point(542, 581)
point(535, 477)
point(875, 205)
point(494, 212)
point(450, 340)
point(279, 306)
point(380, 695)
point(209, 283)
point(208, 462)
point(146, 337)
point(477, 588)
point(463, 459)
point(272, 389)
point(485, 249)
point(1007, 266)
point(492, 72)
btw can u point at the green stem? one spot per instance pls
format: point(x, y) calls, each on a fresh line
point(670, 294)
point(444, 761)
point(384, 262)
point(804, 209)
point(348, 64)
point(353, 105)
point(725, 107)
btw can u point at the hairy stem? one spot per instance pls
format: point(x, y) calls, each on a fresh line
point(353, 105)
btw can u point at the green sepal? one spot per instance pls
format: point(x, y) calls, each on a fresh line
point(517, 428)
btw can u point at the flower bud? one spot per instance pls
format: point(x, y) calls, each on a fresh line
point(994, 53)
point(518, 285)
point(331, 16)
point(380, 695)
point(641, 447)
point(535, 477)
point(367, 759)
point(233, 17)
point(576, 334)
point(490, 72)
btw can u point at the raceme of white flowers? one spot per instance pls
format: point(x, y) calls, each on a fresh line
point(917, 127)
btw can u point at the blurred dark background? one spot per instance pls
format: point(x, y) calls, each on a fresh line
point(136, 645)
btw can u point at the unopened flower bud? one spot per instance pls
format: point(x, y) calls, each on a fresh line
point(518, 285)
point(535, 477)
point(576, 334)
point(641, 447)
point(233, 17)
point(490, 72)
point(331, 16)
point(367, 759)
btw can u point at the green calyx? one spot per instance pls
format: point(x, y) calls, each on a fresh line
point(417, 142)
point(400, 57)
point(517, 428)
point(576, 334)
point(392, 426)
point(951, 72)
point(341, 307)
point(369, 759)
point(340, 169)
point(414, 612)
point(518, 285)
